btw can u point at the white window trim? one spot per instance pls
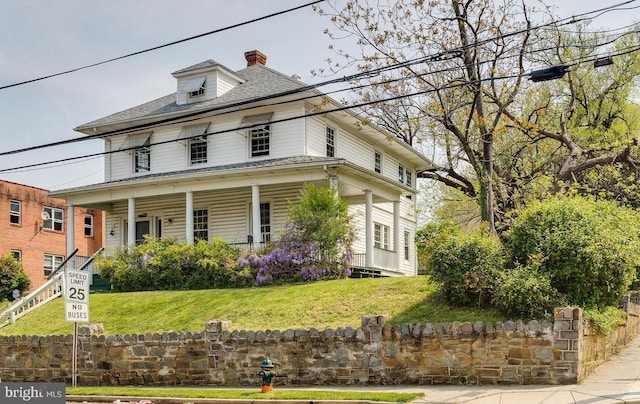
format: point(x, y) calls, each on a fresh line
point(13, 213)
point(195, 223)
point(263, 132)
point(17, 254)
point(54, 264)
point(330, 141)
point(195, 88)
point(264, 237)
point(381, 237)
point(407, 245)
point(200, 141)
point(145, 148)
point(88, 226)
point(52, 219)
point(377, 167)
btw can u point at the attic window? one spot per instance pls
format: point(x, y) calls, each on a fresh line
point(195, 87)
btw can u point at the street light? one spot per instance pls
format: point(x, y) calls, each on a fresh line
point(550, 73)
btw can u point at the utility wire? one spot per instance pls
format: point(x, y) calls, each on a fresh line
point(312, 114)
point(307, 115)
point(215, 31)
point(423, 59)
point(436, 57)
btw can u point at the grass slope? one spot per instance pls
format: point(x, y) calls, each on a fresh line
point(325, 304)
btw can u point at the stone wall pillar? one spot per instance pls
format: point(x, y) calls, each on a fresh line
point(214, 330)
point(373, 344)
point(568, 337)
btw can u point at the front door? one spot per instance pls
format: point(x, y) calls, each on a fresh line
point(143, 227)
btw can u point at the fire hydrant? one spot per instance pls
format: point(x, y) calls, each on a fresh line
point(266, 373)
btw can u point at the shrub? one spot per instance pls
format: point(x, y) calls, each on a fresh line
point(526, 292)
point(589, 249)
point(165, 264)
point(467, 266)
point(12, 277)
point(606, 320)
point(317, 242)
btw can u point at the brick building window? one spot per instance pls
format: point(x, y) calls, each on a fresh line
point(17, 254)
point(51, 262)
point(56, 219)
point(88, 225)
point(15, 212)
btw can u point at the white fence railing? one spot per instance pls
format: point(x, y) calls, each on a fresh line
point(50, 290)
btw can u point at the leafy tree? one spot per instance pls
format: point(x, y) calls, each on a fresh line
point(589, 249)
point(452, 75)
point(317, 243)
point(12, 277)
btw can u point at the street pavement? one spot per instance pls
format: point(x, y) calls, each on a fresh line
point(614, 382)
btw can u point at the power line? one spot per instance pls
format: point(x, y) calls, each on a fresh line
point(215, 31)
point(423, 59)
point(307, 115)
point(436, 57)
point(312, 114)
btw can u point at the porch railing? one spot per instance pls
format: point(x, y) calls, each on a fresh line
point(382, 259)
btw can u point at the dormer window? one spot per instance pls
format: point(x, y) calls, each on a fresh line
point(195, 88)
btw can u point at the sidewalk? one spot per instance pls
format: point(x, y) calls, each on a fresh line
point(614, 382)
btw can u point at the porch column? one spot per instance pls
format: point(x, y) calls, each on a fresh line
point(396, 233)
point(189, 225)
point(131, 222)
point(255, 214)
point(71, 227)
point(368, 256)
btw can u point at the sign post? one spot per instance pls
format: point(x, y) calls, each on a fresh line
point(76, 305)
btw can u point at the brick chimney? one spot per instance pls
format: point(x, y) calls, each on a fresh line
point(255, 57)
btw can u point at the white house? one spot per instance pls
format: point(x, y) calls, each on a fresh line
point(223, 155)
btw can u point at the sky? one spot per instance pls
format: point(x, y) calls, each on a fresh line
point(43, 37)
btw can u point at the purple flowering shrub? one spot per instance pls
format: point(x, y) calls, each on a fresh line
point(317, 242)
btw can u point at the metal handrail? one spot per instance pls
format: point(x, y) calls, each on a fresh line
point(48, 291)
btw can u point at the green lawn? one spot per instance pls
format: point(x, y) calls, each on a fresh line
point(238, 394)
point(325, 304)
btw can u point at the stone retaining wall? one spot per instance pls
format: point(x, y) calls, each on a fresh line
point(376, 353)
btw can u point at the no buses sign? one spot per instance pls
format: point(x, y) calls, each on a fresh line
point(76, 295)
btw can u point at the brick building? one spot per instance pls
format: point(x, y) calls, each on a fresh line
point(33, 228)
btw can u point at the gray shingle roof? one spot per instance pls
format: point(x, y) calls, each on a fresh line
point(261, 81)
point(206, 63)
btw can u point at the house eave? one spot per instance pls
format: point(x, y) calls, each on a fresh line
point(193, 176)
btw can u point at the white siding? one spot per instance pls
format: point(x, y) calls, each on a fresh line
point(167, 157)
point(228, 213)
point(224, 83)
point(287, 138)
point(316, 145)
point(121, 162)
point(358, 213)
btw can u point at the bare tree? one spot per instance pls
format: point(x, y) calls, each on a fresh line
point(493, 135)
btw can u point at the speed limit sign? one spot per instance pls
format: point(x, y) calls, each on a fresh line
point(76, 294)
